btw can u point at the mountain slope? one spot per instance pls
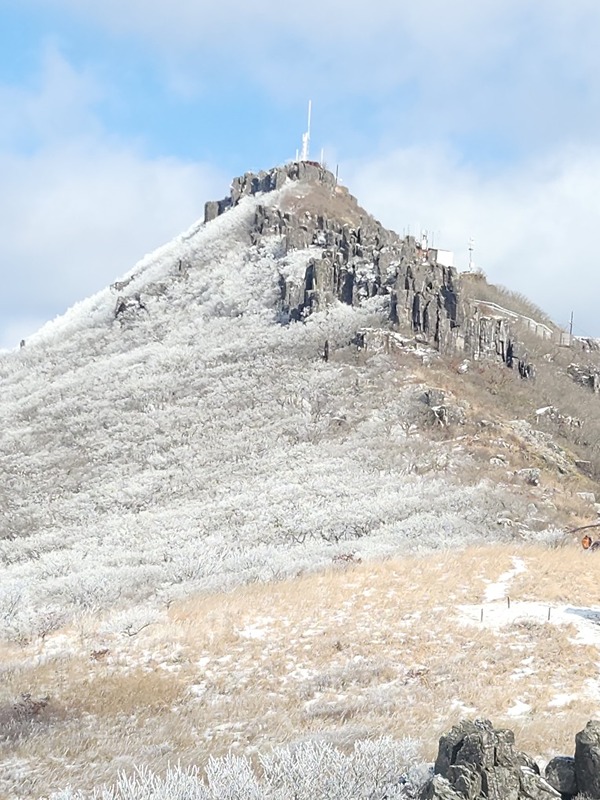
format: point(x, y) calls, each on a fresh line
point(182, 432)
point(192, 439)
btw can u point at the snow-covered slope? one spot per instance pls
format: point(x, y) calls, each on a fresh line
point(169, 433)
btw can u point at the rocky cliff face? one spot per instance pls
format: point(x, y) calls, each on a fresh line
point(354, 258)
point(477, 761)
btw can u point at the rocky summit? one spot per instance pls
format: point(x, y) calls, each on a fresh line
point(356, 258)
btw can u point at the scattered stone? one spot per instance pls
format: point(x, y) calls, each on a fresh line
point(553, 414)
point(128, 308)
point(530, 476)
point(584, 375)
point(560, 774)
point(587, 344)
point(442, 411)
point(28, 707)
point(588, 497)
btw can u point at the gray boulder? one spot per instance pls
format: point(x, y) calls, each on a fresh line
point(211, 210)
point(438, 788)
point(587, 759)
point(477, 761)
point(560, 774)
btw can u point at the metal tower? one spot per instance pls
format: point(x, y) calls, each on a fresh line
point(306, 136)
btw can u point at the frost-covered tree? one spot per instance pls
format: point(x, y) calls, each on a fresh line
point(376, 770)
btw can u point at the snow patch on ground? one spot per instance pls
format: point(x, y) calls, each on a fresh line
point(498, 590)
point(498, 611)
point(498, 614)
point(563, 699)
point(258, 630)
point(519, 709)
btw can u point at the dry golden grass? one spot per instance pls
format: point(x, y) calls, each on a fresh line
point(360, 650)
point(319, 199)
point(497, 437)
point(566, 575)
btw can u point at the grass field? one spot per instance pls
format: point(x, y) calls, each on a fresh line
point(361, 650)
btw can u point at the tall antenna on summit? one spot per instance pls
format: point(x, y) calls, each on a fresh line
point(471, 248)
point(306, 136)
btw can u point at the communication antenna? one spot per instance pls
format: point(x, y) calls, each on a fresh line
point(471, 248)
point(306, 136)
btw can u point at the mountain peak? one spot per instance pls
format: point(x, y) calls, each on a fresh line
point(305, 172)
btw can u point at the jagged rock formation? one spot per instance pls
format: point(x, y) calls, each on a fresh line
point(477, 761)
point(356, 258)
point(585, 375)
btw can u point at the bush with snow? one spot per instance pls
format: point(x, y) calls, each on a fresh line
point(376, 770)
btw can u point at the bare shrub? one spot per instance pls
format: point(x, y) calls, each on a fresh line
point(383, 769)
point(20, 717)
point(477, 288)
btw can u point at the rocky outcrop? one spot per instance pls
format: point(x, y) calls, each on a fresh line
point(353, 258)
point(477, 761)
point(268, 181)
point(585, 375)
point(587, 760)
point(358, 263)
point(442, 408)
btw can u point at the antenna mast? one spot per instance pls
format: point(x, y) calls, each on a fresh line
point(306, 136)
point(471, 248)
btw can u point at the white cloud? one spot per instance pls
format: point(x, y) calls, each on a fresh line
point(525, 71)
point(456, 35)
point(77, 207)
point(80, 215)
point(57, 101)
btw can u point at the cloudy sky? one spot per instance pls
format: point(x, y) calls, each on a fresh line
point(467, 118)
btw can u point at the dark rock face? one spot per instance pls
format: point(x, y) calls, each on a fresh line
point(355, 261)
point(560, 774)
point(477, 761)
point(587, 759)
point(356, 258)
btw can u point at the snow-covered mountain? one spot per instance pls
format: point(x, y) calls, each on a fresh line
point(213, 419)
point(169, 432)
